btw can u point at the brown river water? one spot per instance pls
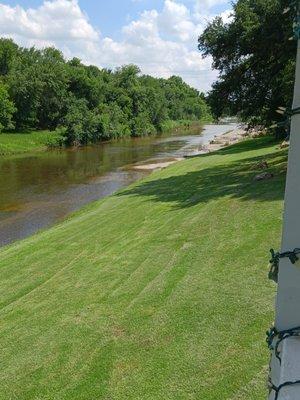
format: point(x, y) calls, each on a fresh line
point(40, 189)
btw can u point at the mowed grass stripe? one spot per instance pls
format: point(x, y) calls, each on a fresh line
point(157, 292)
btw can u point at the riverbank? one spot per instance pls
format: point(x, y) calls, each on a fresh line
point(39, 141)
point(38, 189)
point(156, 292)
point(27, 142)
point(218, 142)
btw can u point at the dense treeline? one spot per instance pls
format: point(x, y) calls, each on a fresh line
point(39, 89)
point(255, 58)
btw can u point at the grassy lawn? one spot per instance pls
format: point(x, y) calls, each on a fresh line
point(17, 143)
point(157, 292)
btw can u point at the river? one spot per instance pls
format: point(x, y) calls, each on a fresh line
point(40, 189)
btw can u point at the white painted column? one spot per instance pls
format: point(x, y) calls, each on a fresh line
point(288, 296)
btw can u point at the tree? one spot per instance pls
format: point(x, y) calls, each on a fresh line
point(255, 59)
point(7, 109)
point(53, 77)
point(25, 87)
point(8, 53)
point(44, 91)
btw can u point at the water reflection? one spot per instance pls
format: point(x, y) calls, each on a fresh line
point(38, 190)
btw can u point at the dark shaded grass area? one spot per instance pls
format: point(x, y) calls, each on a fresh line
point(235, 179)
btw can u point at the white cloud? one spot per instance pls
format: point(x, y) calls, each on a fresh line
point(204, 5)
point(161, 43)
point(175, 19)
point(227, 16)
point(54, 20)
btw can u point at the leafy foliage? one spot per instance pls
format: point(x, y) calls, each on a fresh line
point(41, 90)
point(6, 109)
point(255, 58)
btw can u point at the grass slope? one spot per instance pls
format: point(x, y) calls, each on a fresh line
point(157, 292)
point(17, 143)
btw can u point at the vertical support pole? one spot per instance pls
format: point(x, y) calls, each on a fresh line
point(288, 296)
point(285, 367)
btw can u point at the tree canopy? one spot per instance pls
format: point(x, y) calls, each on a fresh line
point(255, 59)
point(39, 89)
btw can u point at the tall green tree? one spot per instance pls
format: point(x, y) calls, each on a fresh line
point(25, 87)
point(7, 109)
point(44, 91)
point(9, 51)
point(255, 59)
point(52, 81)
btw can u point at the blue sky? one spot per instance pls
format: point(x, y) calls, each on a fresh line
point(158, 35)
point(110, 16)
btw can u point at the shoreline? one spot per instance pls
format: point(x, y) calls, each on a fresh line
point(40, 141)
point(217, 143)
point(131, 267)
point(99, 186)
point(225, 140)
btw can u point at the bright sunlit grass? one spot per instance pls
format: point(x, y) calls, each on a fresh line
point(16, 143)
point(157, 292)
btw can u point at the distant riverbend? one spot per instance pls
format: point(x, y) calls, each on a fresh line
point(39, 190)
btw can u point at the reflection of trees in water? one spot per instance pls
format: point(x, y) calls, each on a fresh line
point(68, 179)
point(63, 168)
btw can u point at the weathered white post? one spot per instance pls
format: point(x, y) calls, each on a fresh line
point(285, 339)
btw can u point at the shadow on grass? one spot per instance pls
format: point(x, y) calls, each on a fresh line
point(235, 179)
